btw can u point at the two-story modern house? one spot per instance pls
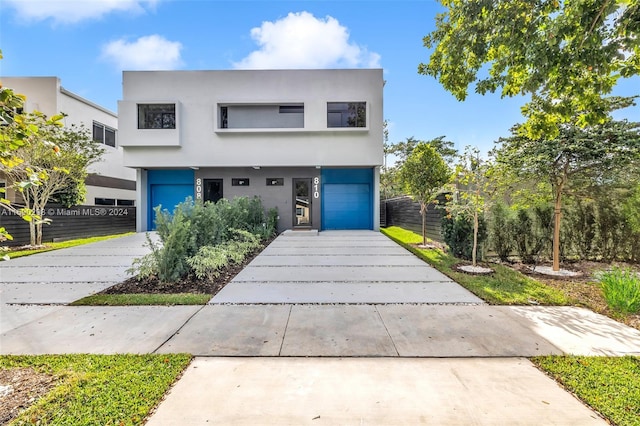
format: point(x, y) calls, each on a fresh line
point(309, 142)
point(109, 182)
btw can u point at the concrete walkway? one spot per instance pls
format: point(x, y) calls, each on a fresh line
point(345, 298)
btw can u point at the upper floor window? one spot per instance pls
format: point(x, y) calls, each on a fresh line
point(346, 114)
point(156, 116)
point(104, 134)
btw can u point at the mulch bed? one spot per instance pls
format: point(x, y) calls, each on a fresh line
point(188, 284)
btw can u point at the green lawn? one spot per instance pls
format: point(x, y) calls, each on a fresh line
point(609, 385)
point(62, 244)
point(99, 389)
point(504, 287)
point(143, 299)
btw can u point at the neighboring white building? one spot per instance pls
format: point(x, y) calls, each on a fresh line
point(109, 182)
point(309, 142)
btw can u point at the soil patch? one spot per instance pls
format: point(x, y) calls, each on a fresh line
point(19, 389)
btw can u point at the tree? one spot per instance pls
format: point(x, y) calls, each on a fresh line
point(470, 191)
point(568, 55)
point(423, 174)
point(60, 156)
point(17, 132)
point(401, 151)
point(576, 157)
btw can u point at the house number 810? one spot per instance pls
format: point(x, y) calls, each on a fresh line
point(316, 190)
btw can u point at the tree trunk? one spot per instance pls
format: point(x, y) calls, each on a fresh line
point(475, 237)
point(556, 229)
point(32, 233)
point(423, 210)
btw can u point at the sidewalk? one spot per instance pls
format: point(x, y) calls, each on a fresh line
point(377, 321)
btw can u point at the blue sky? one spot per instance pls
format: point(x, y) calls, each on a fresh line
point(87, 43)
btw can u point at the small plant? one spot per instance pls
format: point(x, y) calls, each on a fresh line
point(621, 288)
point(210, 260)
point(457, 232)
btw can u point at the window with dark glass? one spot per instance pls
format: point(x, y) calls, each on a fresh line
point(346, 114)
point(125, 202)
point(104, 134)
point(275, 181)
point(105, 201)
point(156, 116)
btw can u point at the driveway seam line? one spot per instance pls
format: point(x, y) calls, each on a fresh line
point(395, 348)
point(284, 333)
point(178, 330)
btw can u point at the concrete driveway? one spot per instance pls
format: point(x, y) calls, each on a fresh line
point(329, 328)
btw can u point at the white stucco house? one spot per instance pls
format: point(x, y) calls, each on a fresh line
point(309, 142)
point(109, 181)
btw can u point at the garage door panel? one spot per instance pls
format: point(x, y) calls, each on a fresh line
point(346, 206)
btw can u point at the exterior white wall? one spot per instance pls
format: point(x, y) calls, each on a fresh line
point(202, 143)
point(45, 94)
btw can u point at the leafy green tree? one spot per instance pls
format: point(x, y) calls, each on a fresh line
point(60, 156)
point(471, 192)
point(389, 179)
point(568, 55)
point(423, 174)
point(577, 155)
point(17, 132)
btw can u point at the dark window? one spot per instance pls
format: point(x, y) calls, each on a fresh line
point(104, 134)
point(224, 117)
point(275, 181)
point(105, 202)
point(212, 190)
point(156, 116)
point(291, 109)
point(125, 202)
point(240, 182)
point(98, 132)
point(109, 137)
point(346, 114)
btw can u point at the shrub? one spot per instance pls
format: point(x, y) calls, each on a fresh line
point(457, 232)
point(210, 260)
point(195, 230)
point(499, 235)
point(532, 232)
point(621, 289)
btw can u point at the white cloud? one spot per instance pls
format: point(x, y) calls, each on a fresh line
point(300, 40)
point(152, 52)
point(73, 11)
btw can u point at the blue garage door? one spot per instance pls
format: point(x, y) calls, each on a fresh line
point(347, 206)
point(347, 199)
point(168, 188)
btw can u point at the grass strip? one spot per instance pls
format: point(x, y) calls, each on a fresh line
point(609, 385)
point(143, 299)
point(504, 287)
point(62, 244)
point(99, 389)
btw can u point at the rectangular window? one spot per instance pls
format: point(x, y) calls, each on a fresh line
point(125, 202)
point(291, 109)
point(105, 202)
point(240, 182)
point(275, 181)
point(346, 114)
point(156, 116)
point(104, 134)
point(224, 117)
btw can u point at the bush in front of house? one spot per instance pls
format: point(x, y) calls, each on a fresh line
point(457, 231)
point(195, 225)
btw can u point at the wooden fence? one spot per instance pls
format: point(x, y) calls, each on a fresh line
point(405, 212)
point(70, 223)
